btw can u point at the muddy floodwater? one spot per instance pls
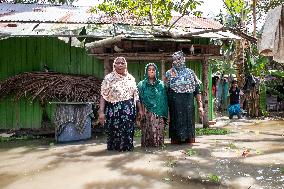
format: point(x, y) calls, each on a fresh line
point(251, 156)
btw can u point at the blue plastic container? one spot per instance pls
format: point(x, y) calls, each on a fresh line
point(70, 133)
point(73, 121)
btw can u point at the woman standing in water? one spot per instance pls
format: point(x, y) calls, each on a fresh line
point(183, 86)
point(153, 97)
point(119, 99)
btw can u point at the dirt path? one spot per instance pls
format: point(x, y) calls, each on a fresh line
point(87, 165)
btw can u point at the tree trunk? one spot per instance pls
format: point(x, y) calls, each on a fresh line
point(205, 81)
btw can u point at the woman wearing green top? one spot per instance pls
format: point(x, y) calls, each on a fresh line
point(153, 97)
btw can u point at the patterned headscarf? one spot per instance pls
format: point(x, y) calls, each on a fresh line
point(153, 96)
point(119, 59)
point(146, 71)
point(180, 78)
point(178, 59)
point(116, 87)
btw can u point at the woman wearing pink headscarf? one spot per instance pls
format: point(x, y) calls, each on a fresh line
point(119, 99)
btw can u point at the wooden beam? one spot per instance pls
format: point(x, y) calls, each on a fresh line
point(205, 82)
point(152, 56)
point(235, 31)
point(103, 42)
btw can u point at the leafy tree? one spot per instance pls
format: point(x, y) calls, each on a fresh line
point(264, 6)
point(157, 11)
point(238, 13)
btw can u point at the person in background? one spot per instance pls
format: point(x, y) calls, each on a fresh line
point(215, 92)
point(234, 108)
point(225, 87)
point(183, 86)
point(153, 98)
point(119, 99)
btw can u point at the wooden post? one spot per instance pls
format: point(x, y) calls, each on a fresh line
point(205, 82)
point(163, 69)
point(107, 66)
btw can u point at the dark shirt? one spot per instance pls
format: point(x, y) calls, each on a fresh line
point(234, 96)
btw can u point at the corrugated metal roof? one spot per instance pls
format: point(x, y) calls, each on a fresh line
point(63, 21)
point(71, 14)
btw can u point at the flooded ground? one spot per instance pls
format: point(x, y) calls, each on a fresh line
point(249, 157)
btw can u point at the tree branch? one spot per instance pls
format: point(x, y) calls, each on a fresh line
point(175, 22)
point(107, 41)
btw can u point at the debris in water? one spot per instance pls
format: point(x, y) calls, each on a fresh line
point(166, 179)
point(245, 152)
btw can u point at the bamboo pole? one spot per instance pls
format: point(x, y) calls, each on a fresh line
point(205, 82)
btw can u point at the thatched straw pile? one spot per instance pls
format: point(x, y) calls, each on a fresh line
point(51, 86)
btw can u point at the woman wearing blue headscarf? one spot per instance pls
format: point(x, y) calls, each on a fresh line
point(153, 97)
point(183, 85)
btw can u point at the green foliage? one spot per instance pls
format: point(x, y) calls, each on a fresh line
point(137, 133)
point(191, 152)
point(171, 163)
point(232, 146)
point(264, 6)
point(282, 170)
point(211, 131)
point(238, 11)
point(214, 178)
point(223, 66)
point(256, 63)
point(159, 11)
point(262, 99)
point(277, 73)
point(272, 88)
point(226, 65)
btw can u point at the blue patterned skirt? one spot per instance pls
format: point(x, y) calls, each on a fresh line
point(120, 122)
point(234, 109)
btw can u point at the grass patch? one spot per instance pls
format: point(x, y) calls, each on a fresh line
point(171, 163)
point(211, 131)
point(137, 133)
point(21, 138)
point(282, 170)
point(191, 152)
point(232, 146)
point(214, 178)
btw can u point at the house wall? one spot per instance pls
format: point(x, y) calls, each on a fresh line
point(24, 54)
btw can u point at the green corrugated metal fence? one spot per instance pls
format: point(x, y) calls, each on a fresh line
point(20, 55)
